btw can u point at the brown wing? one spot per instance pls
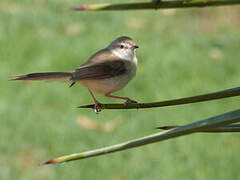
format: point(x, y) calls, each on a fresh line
point(102, 70)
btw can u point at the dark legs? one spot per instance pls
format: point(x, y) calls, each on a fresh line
point(97, 106)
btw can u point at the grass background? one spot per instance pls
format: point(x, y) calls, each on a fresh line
point(182, 53)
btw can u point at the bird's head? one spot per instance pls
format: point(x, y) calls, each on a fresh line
point(123, 47)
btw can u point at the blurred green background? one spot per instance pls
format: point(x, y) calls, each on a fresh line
point(182, 53)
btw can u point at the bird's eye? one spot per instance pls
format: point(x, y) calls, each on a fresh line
point(121, 46)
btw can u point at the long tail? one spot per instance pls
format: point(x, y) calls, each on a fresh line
point(43, 76)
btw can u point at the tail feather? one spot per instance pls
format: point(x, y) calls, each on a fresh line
point(42, 76)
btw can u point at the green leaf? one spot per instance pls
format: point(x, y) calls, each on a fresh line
point(155, 5)
point(210, 123)
point(222, 129)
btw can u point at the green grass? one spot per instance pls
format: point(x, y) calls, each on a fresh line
point(182, 53)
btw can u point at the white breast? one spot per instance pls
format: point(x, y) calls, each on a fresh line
point(110, 85)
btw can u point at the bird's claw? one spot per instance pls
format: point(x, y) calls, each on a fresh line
point(130, 101)
point(97, 108)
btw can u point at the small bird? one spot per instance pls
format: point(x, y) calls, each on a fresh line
point(105, 72)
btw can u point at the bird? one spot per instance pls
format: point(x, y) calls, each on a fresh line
point(105, 72)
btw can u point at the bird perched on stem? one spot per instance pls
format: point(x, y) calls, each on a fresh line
point(105, 72)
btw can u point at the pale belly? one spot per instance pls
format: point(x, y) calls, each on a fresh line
point(109, 85)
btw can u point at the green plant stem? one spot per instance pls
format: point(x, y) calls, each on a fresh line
point(214, 122)
point(194, 99)
point(222, 129)
point(153, 5)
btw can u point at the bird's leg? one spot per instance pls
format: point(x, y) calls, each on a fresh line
point(127, 100)
point(97, 104)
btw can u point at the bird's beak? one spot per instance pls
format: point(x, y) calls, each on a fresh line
point(135, 46)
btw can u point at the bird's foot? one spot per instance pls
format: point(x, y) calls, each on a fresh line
point(97, 107)
point(130, 101)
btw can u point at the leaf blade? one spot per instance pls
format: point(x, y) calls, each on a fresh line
point(217, 121)
point(154, 5)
